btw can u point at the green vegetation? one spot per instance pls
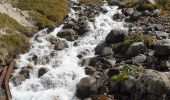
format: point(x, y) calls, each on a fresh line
point(91, 2)
point(44, 12)
point(128, 70)
point(147, 39)
point(9, 24)
point(14, 42)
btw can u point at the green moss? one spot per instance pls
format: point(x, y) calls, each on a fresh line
point(44, 12)
point(128, 70)
point(10, 24)
point(91, 2)
point(149, 7)
point(147, 39)
point(13, 42)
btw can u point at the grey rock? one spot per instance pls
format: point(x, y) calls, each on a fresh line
point(136, 49)
point(162, 47)
point(139, 59)
point(68, 34)
point(84, 87)
point(103, 49)
point(116, 36)
point(17, 80)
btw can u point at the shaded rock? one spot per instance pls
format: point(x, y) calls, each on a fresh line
point(111, 72)
point(42, 71)
point(90, 70)
point(139, 59)
point(136, 15)
point(162, 47)
point(136, 49)
point(103, 89)
point(164, 65)
point(68, 34)
point(84, 87)
point(118, 17)
point(116, 36)
point(103, 49)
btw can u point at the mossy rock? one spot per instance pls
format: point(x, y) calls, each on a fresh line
point(150, 7)
point(147, 39)
point(128, 70)
point(91, 2)
point(45, 13)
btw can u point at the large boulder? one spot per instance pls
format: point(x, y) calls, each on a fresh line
point(84, 87)
point(136, 49)
point(68, 34)
point(116, 36)
point(162, 47)
point(155, 84)
point(103, 49)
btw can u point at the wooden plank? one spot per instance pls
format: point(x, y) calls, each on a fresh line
point(8, 75)
point(3, 75)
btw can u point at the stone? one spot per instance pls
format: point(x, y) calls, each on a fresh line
point(155, 83)
point(103, 49)
point(162, 47)
point(136, 49)
point(90, 70)
point(84, 87)
point(118, 17)
point(17, 80)
point(68, 34)
point(103, 90)
point(164, 65)
point(128, 11)
point(25, 72)
point(139, 59)
point(42, 71)
point(116, 36)
point(111, 72)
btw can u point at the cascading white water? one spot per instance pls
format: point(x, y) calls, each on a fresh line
point(59, 83)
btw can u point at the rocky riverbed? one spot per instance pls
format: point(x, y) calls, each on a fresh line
point(104, 50)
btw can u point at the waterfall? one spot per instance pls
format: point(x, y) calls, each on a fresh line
point(59, 83)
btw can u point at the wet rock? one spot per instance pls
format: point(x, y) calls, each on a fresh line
point(51, 28)
point(116, 36)
point(68, 34)
point(162, 47)
point(84, 87)
point(90, 70)
point(35, 59)
point(103, 49)
point(42, 71)
point(116, 2)
point(58, 43)
point(136, 49)
point(118, 17)
point(25, 72)
point(17, 80)
point(30, 66)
